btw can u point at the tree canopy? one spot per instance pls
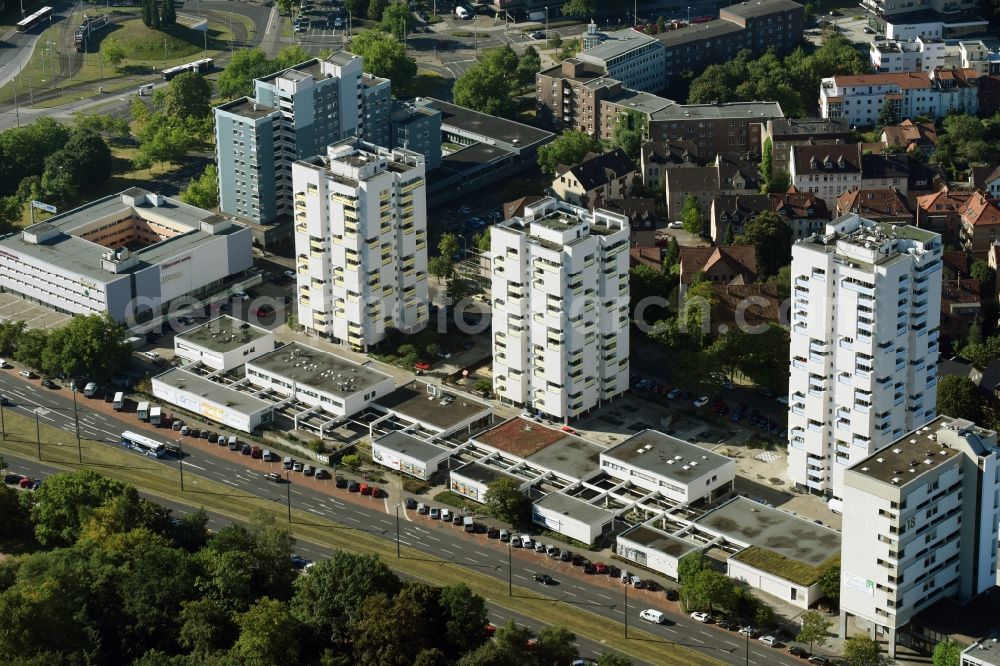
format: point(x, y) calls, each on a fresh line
point(959, 398)
point(791, 81)
point(203, 191)
point(506, 501)
point(188, 95)
point(385, 55)
point(489, 85)
point(569, 148)
point(771, 236)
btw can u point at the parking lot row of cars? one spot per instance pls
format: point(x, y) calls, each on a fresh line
point(748, 631)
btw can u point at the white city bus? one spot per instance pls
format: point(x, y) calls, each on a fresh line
point(143, 444)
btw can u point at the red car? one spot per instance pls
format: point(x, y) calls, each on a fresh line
point(490, 629)
point(422, 365)
point(600, 567)
point(25, 482)
point(365, 489)
point(376, 491)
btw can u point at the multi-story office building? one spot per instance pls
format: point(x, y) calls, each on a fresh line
point(922, 54)
point(560, 308)
point(416, 126)
point(859, 98)
point(361, 242)
point(629, 56)
point(920, 525)
point(864, 345)
point(295, 113)
point(569, 95)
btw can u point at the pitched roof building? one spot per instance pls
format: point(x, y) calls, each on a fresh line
point(735, 264)
point(940, 212)
point(728, 174)
point(980, 223)
point(598, 178)
point(882, 205)
point(658, 156)
point(911, 136)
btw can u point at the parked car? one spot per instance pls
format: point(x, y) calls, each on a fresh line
point(728, 625)
point(797, 651)
point(297, 466)
point(457, 519)
point(422, 365)
point(423, 509)
point(341, 482)
point(748, 631)
point(820, 660)
point(308, 470)
point(493, 533)
point(11, 479)
point(411, 503)
point(322, 474)
point(539, 547)
point(600, 568)
point(701, 617)
point(49, 384)
point(353, 487)
point(701, 402)
point(674, 394)
point(769, 641)
point(273, 477)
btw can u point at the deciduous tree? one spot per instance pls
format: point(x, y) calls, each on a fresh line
point(188, 96)
point(397, 19)
point(691, 215)
point(64, 501)
point(269, 635)
point(506, 501)
point(569, 148)
point(771, 236)
point(203, 192)
point(862, 650)
point(385, 56)
point(815, 629)
point(959, 398)
point(947, 653)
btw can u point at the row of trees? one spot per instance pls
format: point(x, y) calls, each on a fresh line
point(158, 14)
point(179, 121)
point(792, 81)
point(116, 579)
point(92, 346)
point(491, 85)
point(51, 162)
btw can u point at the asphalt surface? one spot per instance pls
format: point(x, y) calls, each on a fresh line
point(598, 594)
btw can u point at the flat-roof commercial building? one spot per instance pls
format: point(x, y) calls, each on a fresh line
point(473, 479)
point(361, 242)
point(572, 517)
point(223, 344)
point(920, 525)
point(864, 345)
point(778, 553)
point(433, 410)
point(130, 255)
point(680, 471)
point(985, 652)
point(653, 548)
point(409, 454)
point(479, 150)
point(233, 408)
point(560, 308)
point(319, 379)
point(416, 126)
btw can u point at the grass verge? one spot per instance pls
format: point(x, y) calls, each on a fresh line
point(59, 450)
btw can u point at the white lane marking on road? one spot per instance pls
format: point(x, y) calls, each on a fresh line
point(471, 560)
point(188, 464)
point(229, 482)
point(731, 643)
point(604, 596)
point(481, 553)
point(445, 550)
point(697, 640)
point(350, 518)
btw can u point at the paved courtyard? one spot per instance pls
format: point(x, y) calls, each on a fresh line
point(15, 308)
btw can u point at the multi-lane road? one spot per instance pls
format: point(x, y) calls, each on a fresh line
point(598, 594)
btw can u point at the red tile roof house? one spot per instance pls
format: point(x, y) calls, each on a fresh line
point(980, 223)
point(734, 264)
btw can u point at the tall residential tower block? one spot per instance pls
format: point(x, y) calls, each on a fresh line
point(361, 242)
point(864, 345)
point(560, 308)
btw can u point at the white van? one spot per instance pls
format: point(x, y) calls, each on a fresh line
point(233, 441)
point(446, 514)
point(90, 390)
point(119, 402)
point(526, 541)
point(461, 12)
point(267, 456)
point(651, 615)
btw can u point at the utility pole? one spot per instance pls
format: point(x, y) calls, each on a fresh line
point(288, 495)
point(626, 609)
point(398, 554)
point(546, 21)
point(510, 572)
point(76, 422)
point(180, 461)
point(17, 110)
point(38, 436)
point(3, 426)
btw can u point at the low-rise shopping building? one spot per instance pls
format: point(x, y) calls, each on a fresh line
point(223, 344)
point(409, 454)
point(237, 408)
point(318, 379)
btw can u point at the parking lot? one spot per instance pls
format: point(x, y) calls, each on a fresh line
point(15, 308)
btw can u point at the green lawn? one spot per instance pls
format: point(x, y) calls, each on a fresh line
point(149, 51)
point(59, 449)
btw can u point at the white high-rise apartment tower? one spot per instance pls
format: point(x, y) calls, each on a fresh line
point(560, 308)
point(866, 301)
point(361, 242)
point(920, 525)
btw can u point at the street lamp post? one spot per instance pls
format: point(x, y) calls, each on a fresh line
point(38, 437)
point(180, 461)
point(626, 609)
point(510, 572)
point(76, 423)
point(398, 553)
point(288, 496)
